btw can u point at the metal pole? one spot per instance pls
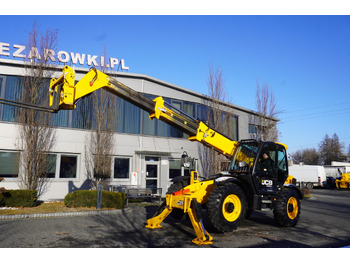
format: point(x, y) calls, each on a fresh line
point(302, 187)
point(99, 197)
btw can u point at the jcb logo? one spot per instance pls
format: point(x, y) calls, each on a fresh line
point(180, 203)
point(267, 182)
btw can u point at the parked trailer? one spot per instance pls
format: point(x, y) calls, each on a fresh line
point(311, 175)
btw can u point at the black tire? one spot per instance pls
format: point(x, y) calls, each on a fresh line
point(176, 186)
point(226, 207)
point(248, 213)
point(287, 210)
point(309, 185)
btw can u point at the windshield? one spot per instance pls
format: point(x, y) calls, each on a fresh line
point(244, 157)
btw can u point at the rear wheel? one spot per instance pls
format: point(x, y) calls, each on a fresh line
point(309, 185)
point(226, 207)
point(287, 209)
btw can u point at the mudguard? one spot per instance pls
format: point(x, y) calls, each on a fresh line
point(225, 179)
point(295, 188)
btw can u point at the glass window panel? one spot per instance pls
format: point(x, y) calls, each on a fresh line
point(120, 115)
point(234, 127)
point(121, 167)
point(1, 80)
point(173, 131)
point(1, 96)
point(152, 171)
point(82, 114)
point(252, 129)
point(68, 166)
point(281, 160)
point(152, 158)
point(177, 104)
point(202, 112)
point(267, 159)
point(9, 164)
point(132, 116)
point(51, 166)
point(163, 129)
point(148, 125)
point(174, 168)
point(12, 85)
point(229, 125)
point(189, 108)
point(151, 183)
point(43, 84)
point(61, 118)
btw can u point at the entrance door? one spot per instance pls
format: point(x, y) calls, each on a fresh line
point(152, 171)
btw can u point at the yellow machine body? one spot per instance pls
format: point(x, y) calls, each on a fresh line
point(344, 182)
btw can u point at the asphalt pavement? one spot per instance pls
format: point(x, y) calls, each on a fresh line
point(324, 222)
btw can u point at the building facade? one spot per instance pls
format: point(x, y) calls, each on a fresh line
point(147, 153)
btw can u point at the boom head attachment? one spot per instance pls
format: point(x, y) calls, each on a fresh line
point(62, 89)
point(64, 93)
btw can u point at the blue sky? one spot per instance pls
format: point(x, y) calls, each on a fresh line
point(304, 59)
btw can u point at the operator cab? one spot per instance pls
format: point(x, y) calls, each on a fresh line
point(265, 163)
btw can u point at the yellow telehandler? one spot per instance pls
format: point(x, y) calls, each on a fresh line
point(258, 178)
point(343, 182)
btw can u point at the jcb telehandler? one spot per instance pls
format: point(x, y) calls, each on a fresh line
point(257, 180)
point(343, 182)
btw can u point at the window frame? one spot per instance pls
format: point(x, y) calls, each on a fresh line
point(2, 93)
point(116, 179)
point(11, 179)
point(58, 167)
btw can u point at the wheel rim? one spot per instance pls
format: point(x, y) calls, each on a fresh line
point(292, 208)
point(231, 208)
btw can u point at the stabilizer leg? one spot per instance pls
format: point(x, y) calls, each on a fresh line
point(155, 221)
point(203, 237)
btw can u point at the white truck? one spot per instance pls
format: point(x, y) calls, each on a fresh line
point(310, 175)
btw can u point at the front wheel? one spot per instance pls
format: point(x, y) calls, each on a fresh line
point(287, 209)
point(226, 207)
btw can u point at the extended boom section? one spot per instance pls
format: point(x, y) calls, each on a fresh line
point(70, 93)
point(64, 94)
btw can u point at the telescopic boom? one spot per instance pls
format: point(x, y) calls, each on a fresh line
point(64, 93)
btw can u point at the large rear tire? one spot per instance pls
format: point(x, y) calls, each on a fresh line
point(287, 209)
point(226, 207)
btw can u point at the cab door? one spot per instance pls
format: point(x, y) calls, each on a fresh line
point(282, 165)
point(265, 171)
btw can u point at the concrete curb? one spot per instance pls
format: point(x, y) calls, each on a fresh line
point(64, 214)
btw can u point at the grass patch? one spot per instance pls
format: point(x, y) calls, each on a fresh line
point(47, 207)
